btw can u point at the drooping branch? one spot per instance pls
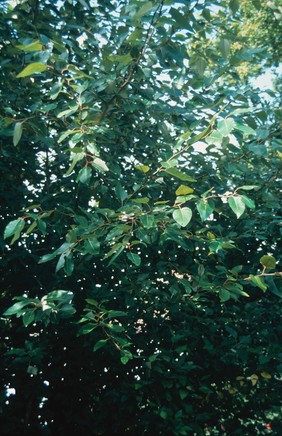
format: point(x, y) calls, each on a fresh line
point(134, 65)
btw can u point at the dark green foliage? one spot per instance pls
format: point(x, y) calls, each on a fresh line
point(140, 222)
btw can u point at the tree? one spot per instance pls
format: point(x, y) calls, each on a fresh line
point(141, 221)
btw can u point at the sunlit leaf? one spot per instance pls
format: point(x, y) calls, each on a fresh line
point(205, 209)
point(100, 165)
point(33, 46)
point(121, 59)
point(17, 307)
point(245, 129)
point(12, 227)
point(254, 379)
point(31, 69)
point(18, 130)
point(143, 10)
point(143, 168)
point(215, 137)
point(179, 175)
point(183, 190)
point(226, 126)
point(72, 110)
point(268, 262)
point(182, 216)
point(248, 187)
point(237, 205)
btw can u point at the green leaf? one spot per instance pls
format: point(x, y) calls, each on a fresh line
point(179, 175)
point(60, 294)
point(142, 168)
point(235, 289)
point(148, 221)
point(228, 245)
point(55, 91)
point(92, 246)
point(248, 187)
point(224, 295)
point(13, 227)
point(100, 165)
point(183, 190)
point(124, 360)
point(186, 135)
point(215, 138)
point(268, 262)
point(171, 163)
point(198, 64)
point(31, 228)
point(84, 175)
point(143, 10)
point(237, 205)
point(187, 285)
point(76, 158)
point(248, 202)
point(31, 69)
point(67, 311)
point(134, 258)
point(215, 246)
point(115, 313)
point(18, 130)
point(87, 328)
point(65, 134)
point(48, 257)
point(184, 198)
point(116, 328)
point(100, 344)
point(163, 414)
point(120, 193)
point(18, 232)
point(28, 317)
point(118, 252)
point(68, 112)
point(272, 286)
point(224, 47)
point(234, 5)
point(258, 281)
point(92, 302)
point(42, 226)
point(33, 46)
point(17, 307)
point(182, 216)
point(141, 200)
point(61, 262)
point(205, 209)
point(121, 59)
point(245, 129)
point(180, 19)
point(226, 126)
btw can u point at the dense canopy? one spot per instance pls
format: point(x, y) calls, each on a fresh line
point(140, 217)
